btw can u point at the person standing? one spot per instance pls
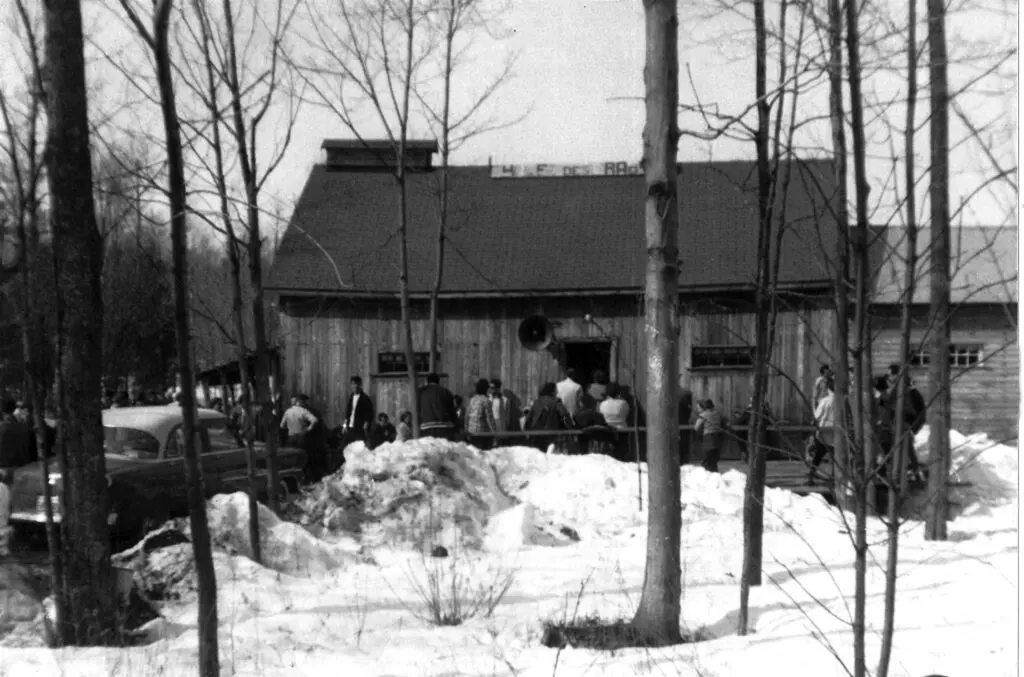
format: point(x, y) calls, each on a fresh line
point(403, 432)
point(570, 392)
point(820, 385)
point(384, 432)
point(438, 417)
point(597, 391)
point(547, 413)
point(506, 414)
point(823, 440)
point(615, 411)
point(480, 416)
point(298, 420)
point(358, 413)
point(685, 415)
point(15, 450)
point(711, 430)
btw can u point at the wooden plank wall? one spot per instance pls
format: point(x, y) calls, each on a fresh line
point(986, 397)
point(325, 343)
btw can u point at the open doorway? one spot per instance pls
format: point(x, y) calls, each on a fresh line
point(586, 357)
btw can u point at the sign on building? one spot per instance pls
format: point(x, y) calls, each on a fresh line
point(552, 171)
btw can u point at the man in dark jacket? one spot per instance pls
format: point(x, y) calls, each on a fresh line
point(547, 413)
point(358, 413)
point(438, 417)
point(15, 450)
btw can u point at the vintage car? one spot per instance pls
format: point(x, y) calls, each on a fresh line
point(146, 472)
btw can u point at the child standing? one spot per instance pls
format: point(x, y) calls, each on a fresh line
point(710, 428)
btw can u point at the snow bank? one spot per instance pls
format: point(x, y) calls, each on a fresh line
point(597, 495)
point(988, 469)
point(284, 546)
point(413, 494)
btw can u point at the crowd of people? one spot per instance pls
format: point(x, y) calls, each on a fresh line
point(886, 391)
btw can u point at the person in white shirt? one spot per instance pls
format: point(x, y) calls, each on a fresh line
point(823, 441)
point(570, 392)
point(297, 420)
point(614, 409)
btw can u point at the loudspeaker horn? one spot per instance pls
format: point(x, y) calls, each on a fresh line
point(536, 333)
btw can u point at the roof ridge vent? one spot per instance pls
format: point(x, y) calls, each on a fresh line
point(378, 154)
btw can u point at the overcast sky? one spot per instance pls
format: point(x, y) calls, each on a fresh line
point(578, 79)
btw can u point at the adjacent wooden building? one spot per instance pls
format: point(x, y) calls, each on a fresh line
point(560, 244)
point(984, 353)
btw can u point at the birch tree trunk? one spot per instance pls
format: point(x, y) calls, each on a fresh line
point(657, 618)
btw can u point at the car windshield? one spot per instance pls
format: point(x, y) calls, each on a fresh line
point(130, 443)
point(222, 437)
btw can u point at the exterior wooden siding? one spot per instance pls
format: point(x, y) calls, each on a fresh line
point(325, 342)
point(985, 397)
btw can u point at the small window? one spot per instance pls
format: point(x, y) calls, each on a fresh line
point(394, 362)
point(960, 355)
point(722, 357)
point(964, 354)
point(920, 358)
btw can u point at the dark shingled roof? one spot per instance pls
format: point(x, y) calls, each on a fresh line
point(983, 262)
point(543, 235)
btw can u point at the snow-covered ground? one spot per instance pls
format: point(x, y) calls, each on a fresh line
point(355, 609)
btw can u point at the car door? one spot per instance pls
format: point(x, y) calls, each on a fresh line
point(226, 457)
point(174, 456)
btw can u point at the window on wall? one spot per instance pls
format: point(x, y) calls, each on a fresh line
point(960, 355)
point(722, 357)
point(394, 362)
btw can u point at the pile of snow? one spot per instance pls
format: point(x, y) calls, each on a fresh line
point(597, 495)
point(284, 546)
point(983, 472)
point(414, 494)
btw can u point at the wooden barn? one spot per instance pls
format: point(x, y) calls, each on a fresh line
point(984, 353)
point(560, 247)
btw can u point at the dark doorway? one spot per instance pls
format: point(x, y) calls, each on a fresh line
point(586, 357)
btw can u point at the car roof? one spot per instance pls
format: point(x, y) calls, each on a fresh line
point(157, 420)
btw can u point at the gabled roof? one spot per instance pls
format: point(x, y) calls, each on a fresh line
point(543, 235)
point(983, 265)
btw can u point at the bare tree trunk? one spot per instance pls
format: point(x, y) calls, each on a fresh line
point(89, 616)
point(237, 308)
point(863, 409)
point(898, 456)
point(33, 333)
point(209, 659)
point(403, 221)
point(268, 419)
point(939, 420)
point(234, 259)
point(753, 495)
point(841, 436)
point(442, 224)
point(657, 617)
